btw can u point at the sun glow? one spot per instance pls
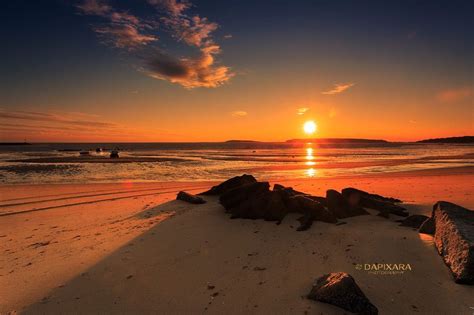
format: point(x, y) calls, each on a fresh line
point(309, 127)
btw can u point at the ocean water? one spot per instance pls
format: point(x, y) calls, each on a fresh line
point(218, 161)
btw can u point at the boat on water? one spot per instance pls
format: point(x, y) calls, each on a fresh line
point(99, 150)
point(84, 153)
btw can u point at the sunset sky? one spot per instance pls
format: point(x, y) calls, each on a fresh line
point(169, 70)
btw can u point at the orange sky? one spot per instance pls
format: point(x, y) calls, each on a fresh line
point(274, 117)
point(101, 71)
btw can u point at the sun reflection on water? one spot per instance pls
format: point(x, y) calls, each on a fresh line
point(310, 172)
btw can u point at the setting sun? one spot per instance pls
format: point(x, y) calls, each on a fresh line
point(309, 127)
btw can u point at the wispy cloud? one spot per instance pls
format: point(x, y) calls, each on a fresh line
point(44, 126)
point(94, 7)
point(194, 31)
point(455, 94)
point(129, 32)
point(302, 110)
point(174, 7)
point(124, 36)
point(68, 119)
point(338, 88)
point(239, 113)
point(122, 29)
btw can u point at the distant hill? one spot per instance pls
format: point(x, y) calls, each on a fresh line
point(465, 139)
point(336, 140)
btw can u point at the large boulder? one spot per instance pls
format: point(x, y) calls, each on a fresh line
point(338, 205)
point(360, 198)
point(454, 239)
point(184, 196)
point(414, 221)
point(427, 227)
point(340, 289)
point(229, 184)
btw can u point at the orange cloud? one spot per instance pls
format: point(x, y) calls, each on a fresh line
point(190, 73)
point(174, 7)
point(124, 36)
point(239, 113)
point(127, 31)
point(302, 110)
point(94, 7)
point(193, 31)
point(455, 95)
point(339, 88)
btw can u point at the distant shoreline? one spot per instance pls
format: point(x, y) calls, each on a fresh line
point(447, 140)
point(15, 143)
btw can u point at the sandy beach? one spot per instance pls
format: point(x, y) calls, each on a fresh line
point(132, 248)
point(237, 157)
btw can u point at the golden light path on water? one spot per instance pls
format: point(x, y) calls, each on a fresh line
point(310, 172)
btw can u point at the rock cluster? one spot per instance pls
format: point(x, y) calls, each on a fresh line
point(340, 289)
point(245, 197)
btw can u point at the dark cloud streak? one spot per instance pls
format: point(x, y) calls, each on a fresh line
point(133, 34)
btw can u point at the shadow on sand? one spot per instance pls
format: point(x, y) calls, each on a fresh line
point(200, 261)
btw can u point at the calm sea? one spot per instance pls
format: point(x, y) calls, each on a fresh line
point(217, 161)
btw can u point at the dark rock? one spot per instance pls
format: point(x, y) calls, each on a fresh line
point(340, 289)
point(427, 227)
point(288, 192)
point(454, 239)
point(305, 223)
point(359, 198)
point(238, 195)
point(254, 201)
point(373, 196)
point(278, 187)
point(338, 205)
point(276, 209)
point(184, 196)
point(311, 210)
point(414, 221)
point(114, 154)
point(230, 184)
point(321, 200)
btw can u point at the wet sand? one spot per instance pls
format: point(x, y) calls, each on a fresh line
point(97, 159)
point(131, 248)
